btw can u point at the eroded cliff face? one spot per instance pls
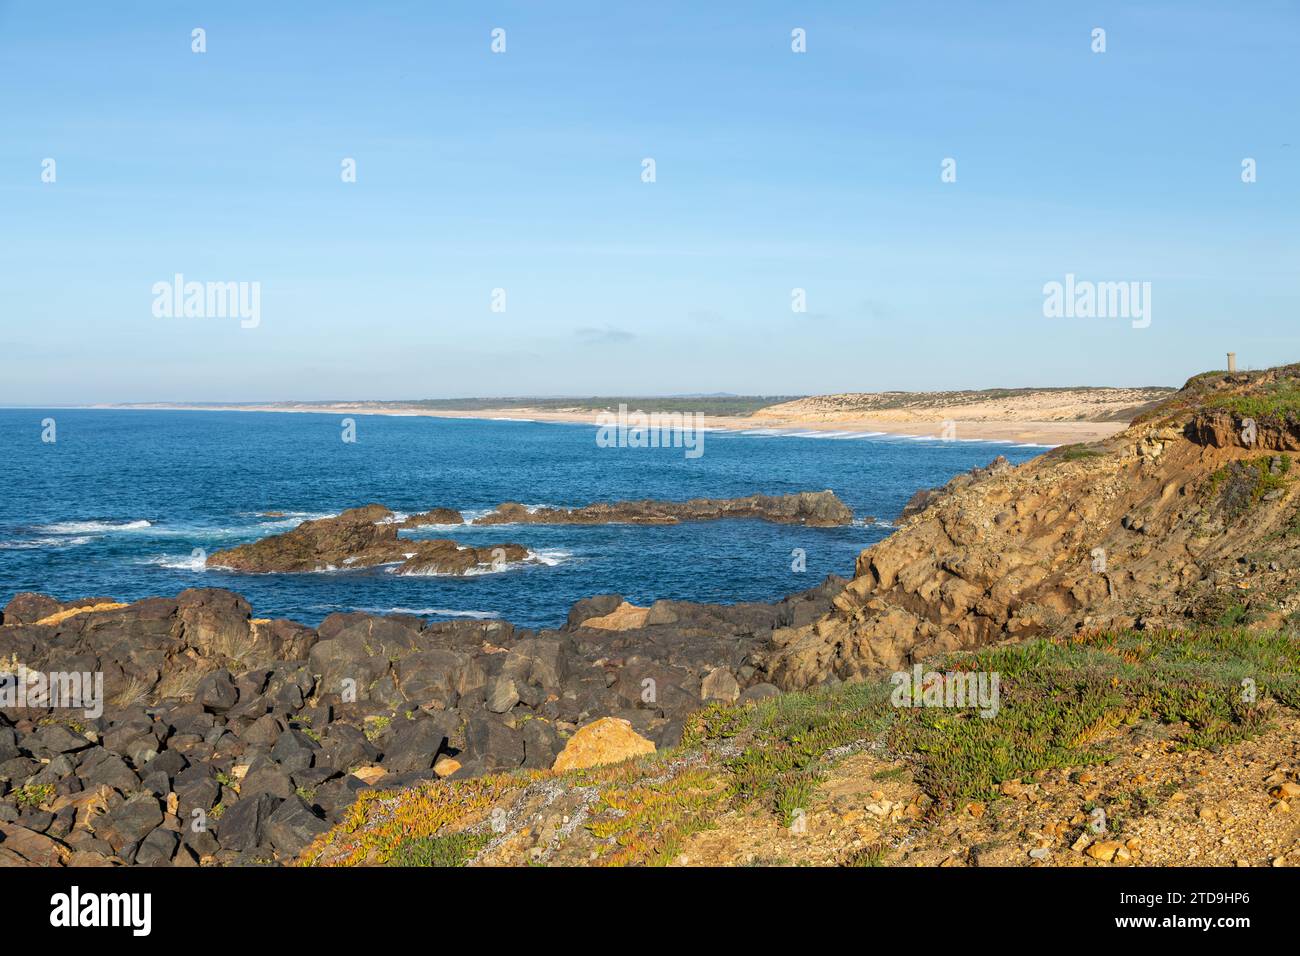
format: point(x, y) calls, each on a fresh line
point(1186, 514)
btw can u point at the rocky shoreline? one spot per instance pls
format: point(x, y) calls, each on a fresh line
point(230, 739)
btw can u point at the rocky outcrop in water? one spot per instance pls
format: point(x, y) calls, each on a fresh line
point(819, 509)
point(230, 739)
point(364, 538)
point(367, 537)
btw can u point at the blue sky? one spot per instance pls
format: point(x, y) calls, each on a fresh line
point(522, 171)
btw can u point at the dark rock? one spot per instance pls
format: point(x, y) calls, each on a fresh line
point(293, 826)
point(313, 777)
point(199, 840)
point(62, 824)
point(37, 820)
point(813, 508)
point(243, 824)
point(489, 740)
point(294, 750)
point(196, 788)
point(57, 739)
point(157, 783)
point(169, 762)
point(28, 608)
point(8, 744)
point(216, 692)
point(106, 769)
point(157, 849)
point(415, 747)
point(266, 778)
point(19, 769)
point(541, 744)
point(263, 732)
point(215, 624)
point(190, 718)
point(357, 538)
point(539, 661)
point(54, 771)
point(131, 821)
point(435, 676)
point(345, 747)
point(336, 795)
point(502, 694)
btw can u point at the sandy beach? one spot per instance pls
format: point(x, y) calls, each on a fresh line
point(928, 422)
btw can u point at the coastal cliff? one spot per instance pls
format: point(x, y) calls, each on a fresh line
point(1186, 514)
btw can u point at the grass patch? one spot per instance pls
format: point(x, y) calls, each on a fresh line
point(873, 855)
point(788, 737)
point(1278, 401)
point(1076, 452)
point(34, 795)
point(454, 849)
point(375, 726)
point(1058, 703)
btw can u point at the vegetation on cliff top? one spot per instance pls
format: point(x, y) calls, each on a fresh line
point(1277, 401)
point(1268, 395)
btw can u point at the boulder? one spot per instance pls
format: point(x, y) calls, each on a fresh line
point(293, 826)
point(216, 692)
point(604, 741)
point(720, 684)
point(20, 846)
point(243, 825)
point(416, 746)
point(625, 617)
point(130, 822)
point(157, 849)
point(489, 740)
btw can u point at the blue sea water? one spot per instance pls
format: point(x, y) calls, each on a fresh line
point(125, 502)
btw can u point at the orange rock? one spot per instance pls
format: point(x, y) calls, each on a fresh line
point(1106, 850)
point(370, 774)
point(625, 617)
point(607, 740)
point(62, 616)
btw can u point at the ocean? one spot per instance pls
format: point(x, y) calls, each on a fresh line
point(125, 503)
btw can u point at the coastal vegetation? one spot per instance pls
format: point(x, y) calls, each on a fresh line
point(1066, 704)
